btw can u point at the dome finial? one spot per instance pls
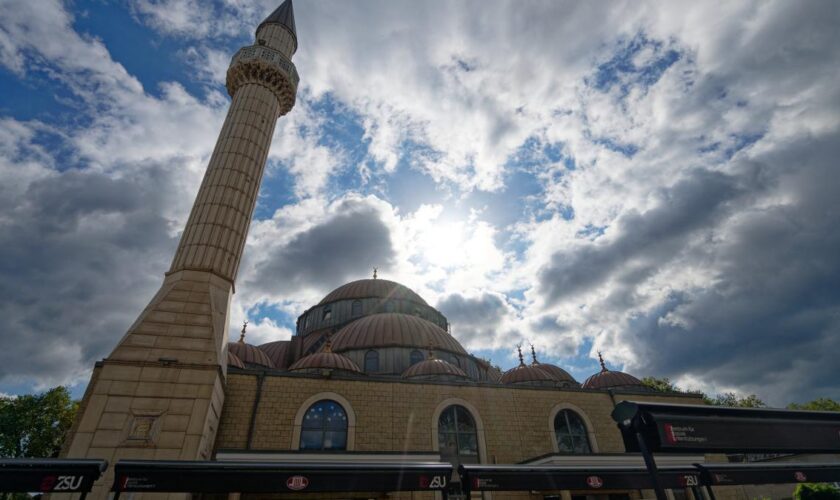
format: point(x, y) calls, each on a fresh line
point(519, 350)
point(534, 355)
point(601, 360)
point(374, 273)
point(244, 326)
point(431, 350)
point(328, 344)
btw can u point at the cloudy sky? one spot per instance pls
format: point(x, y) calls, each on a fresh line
point(658, 181)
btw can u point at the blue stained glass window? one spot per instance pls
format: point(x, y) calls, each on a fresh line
point(324, 427)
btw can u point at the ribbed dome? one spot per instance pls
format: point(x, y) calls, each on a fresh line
point(556, 372)
point(277, 352)
point(433, 366)
point(394, 330)
point(249, 354)
point(233, 360)
point(325, 361)
point(525, 373)
point(606, 379)
point(376, 288)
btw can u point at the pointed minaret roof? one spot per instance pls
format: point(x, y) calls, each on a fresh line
point(285, 15)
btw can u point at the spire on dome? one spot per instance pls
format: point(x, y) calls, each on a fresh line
point(283, 15)
point(519, 350)
point(244, 326)
point(534, 355)
point(374, 273)
point(601, 360)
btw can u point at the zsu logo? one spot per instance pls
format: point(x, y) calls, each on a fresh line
point(435, 482)
point(689, 480)
point(61, 483)
point(594, 481)
point(800, 476)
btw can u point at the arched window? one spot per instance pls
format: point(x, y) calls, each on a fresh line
point(570, 432)
point(356, 308)
point(416, 357)
point(457, 436)
point(327, 313)
point(324, 427)
point(371, 362)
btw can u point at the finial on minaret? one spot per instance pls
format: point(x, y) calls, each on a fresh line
point(519, 350)
point(534, 355)
point(374, 273)
point(601, 360)
point(244, 326)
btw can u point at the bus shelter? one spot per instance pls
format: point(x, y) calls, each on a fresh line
point(25, 475)
point(274, 477)
point(667, 428)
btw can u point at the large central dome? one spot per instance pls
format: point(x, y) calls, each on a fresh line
point(372, 288)
point(394, 330)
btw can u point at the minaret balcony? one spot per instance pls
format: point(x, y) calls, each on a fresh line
point(268, 66)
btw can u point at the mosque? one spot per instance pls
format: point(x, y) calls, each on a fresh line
point(372, 374)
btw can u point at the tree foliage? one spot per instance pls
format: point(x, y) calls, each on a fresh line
point(661, 384)
point(34, 425)
point(808, 491)
point(819, 404)
point(731, 399)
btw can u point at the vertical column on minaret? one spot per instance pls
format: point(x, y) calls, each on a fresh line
point(159, 394)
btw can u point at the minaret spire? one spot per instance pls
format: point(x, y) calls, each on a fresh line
point(284, 15)
point(601, 360)
point(534, 355)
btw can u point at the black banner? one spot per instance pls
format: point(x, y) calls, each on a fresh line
point(268, 477)
point(49, 475)
point(548, 477)
point(713, 429)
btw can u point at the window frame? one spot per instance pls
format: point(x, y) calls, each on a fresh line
point(323, 429)
point(574, 438)
point(373, 354)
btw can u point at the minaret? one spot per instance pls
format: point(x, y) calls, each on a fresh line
point(159, 394)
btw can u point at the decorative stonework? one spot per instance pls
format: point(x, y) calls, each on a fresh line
point(143, 429)
point(268, 67)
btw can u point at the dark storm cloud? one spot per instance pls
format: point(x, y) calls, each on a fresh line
point(645, 240)
point(772, 318)
point(475, 318)
point(342, 248)
point(80, 254)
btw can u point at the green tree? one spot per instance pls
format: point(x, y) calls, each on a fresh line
point(34, 425)
point(732, 399)
point(661, 384)
point(808, 491)
point(819, 404)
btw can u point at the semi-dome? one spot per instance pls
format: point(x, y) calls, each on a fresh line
point(609, 379)
point(277, 352)
point(325, 360)
point(372, 288)
point(433, 367)
point(233, 360)
point(394, 330)
point(250, 355)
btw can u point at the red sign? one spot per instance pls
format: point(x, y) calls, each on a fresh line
point(800, 476)
point(594, 481)
point(297, 483)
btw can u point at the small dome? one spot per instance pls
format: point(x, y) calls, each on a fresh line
point(527, 374)
point(250, 355)
point(372, 288)
point(277, 352)
point(394, 330)
point(608, 379)
point(433, 367)
point(233, 360)
point(557, 373)
point(326, 360)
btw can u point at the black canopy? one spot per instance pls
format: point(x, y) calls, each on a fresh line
point(49, 475)
point(273, 477)
point(549, 477)
point(770, 473)
point(711, 429)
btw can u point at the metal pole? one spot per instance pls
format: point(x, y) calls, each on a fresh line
point(650, 463)
point(116, 495)
point(710, 492)
point(83, 495)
